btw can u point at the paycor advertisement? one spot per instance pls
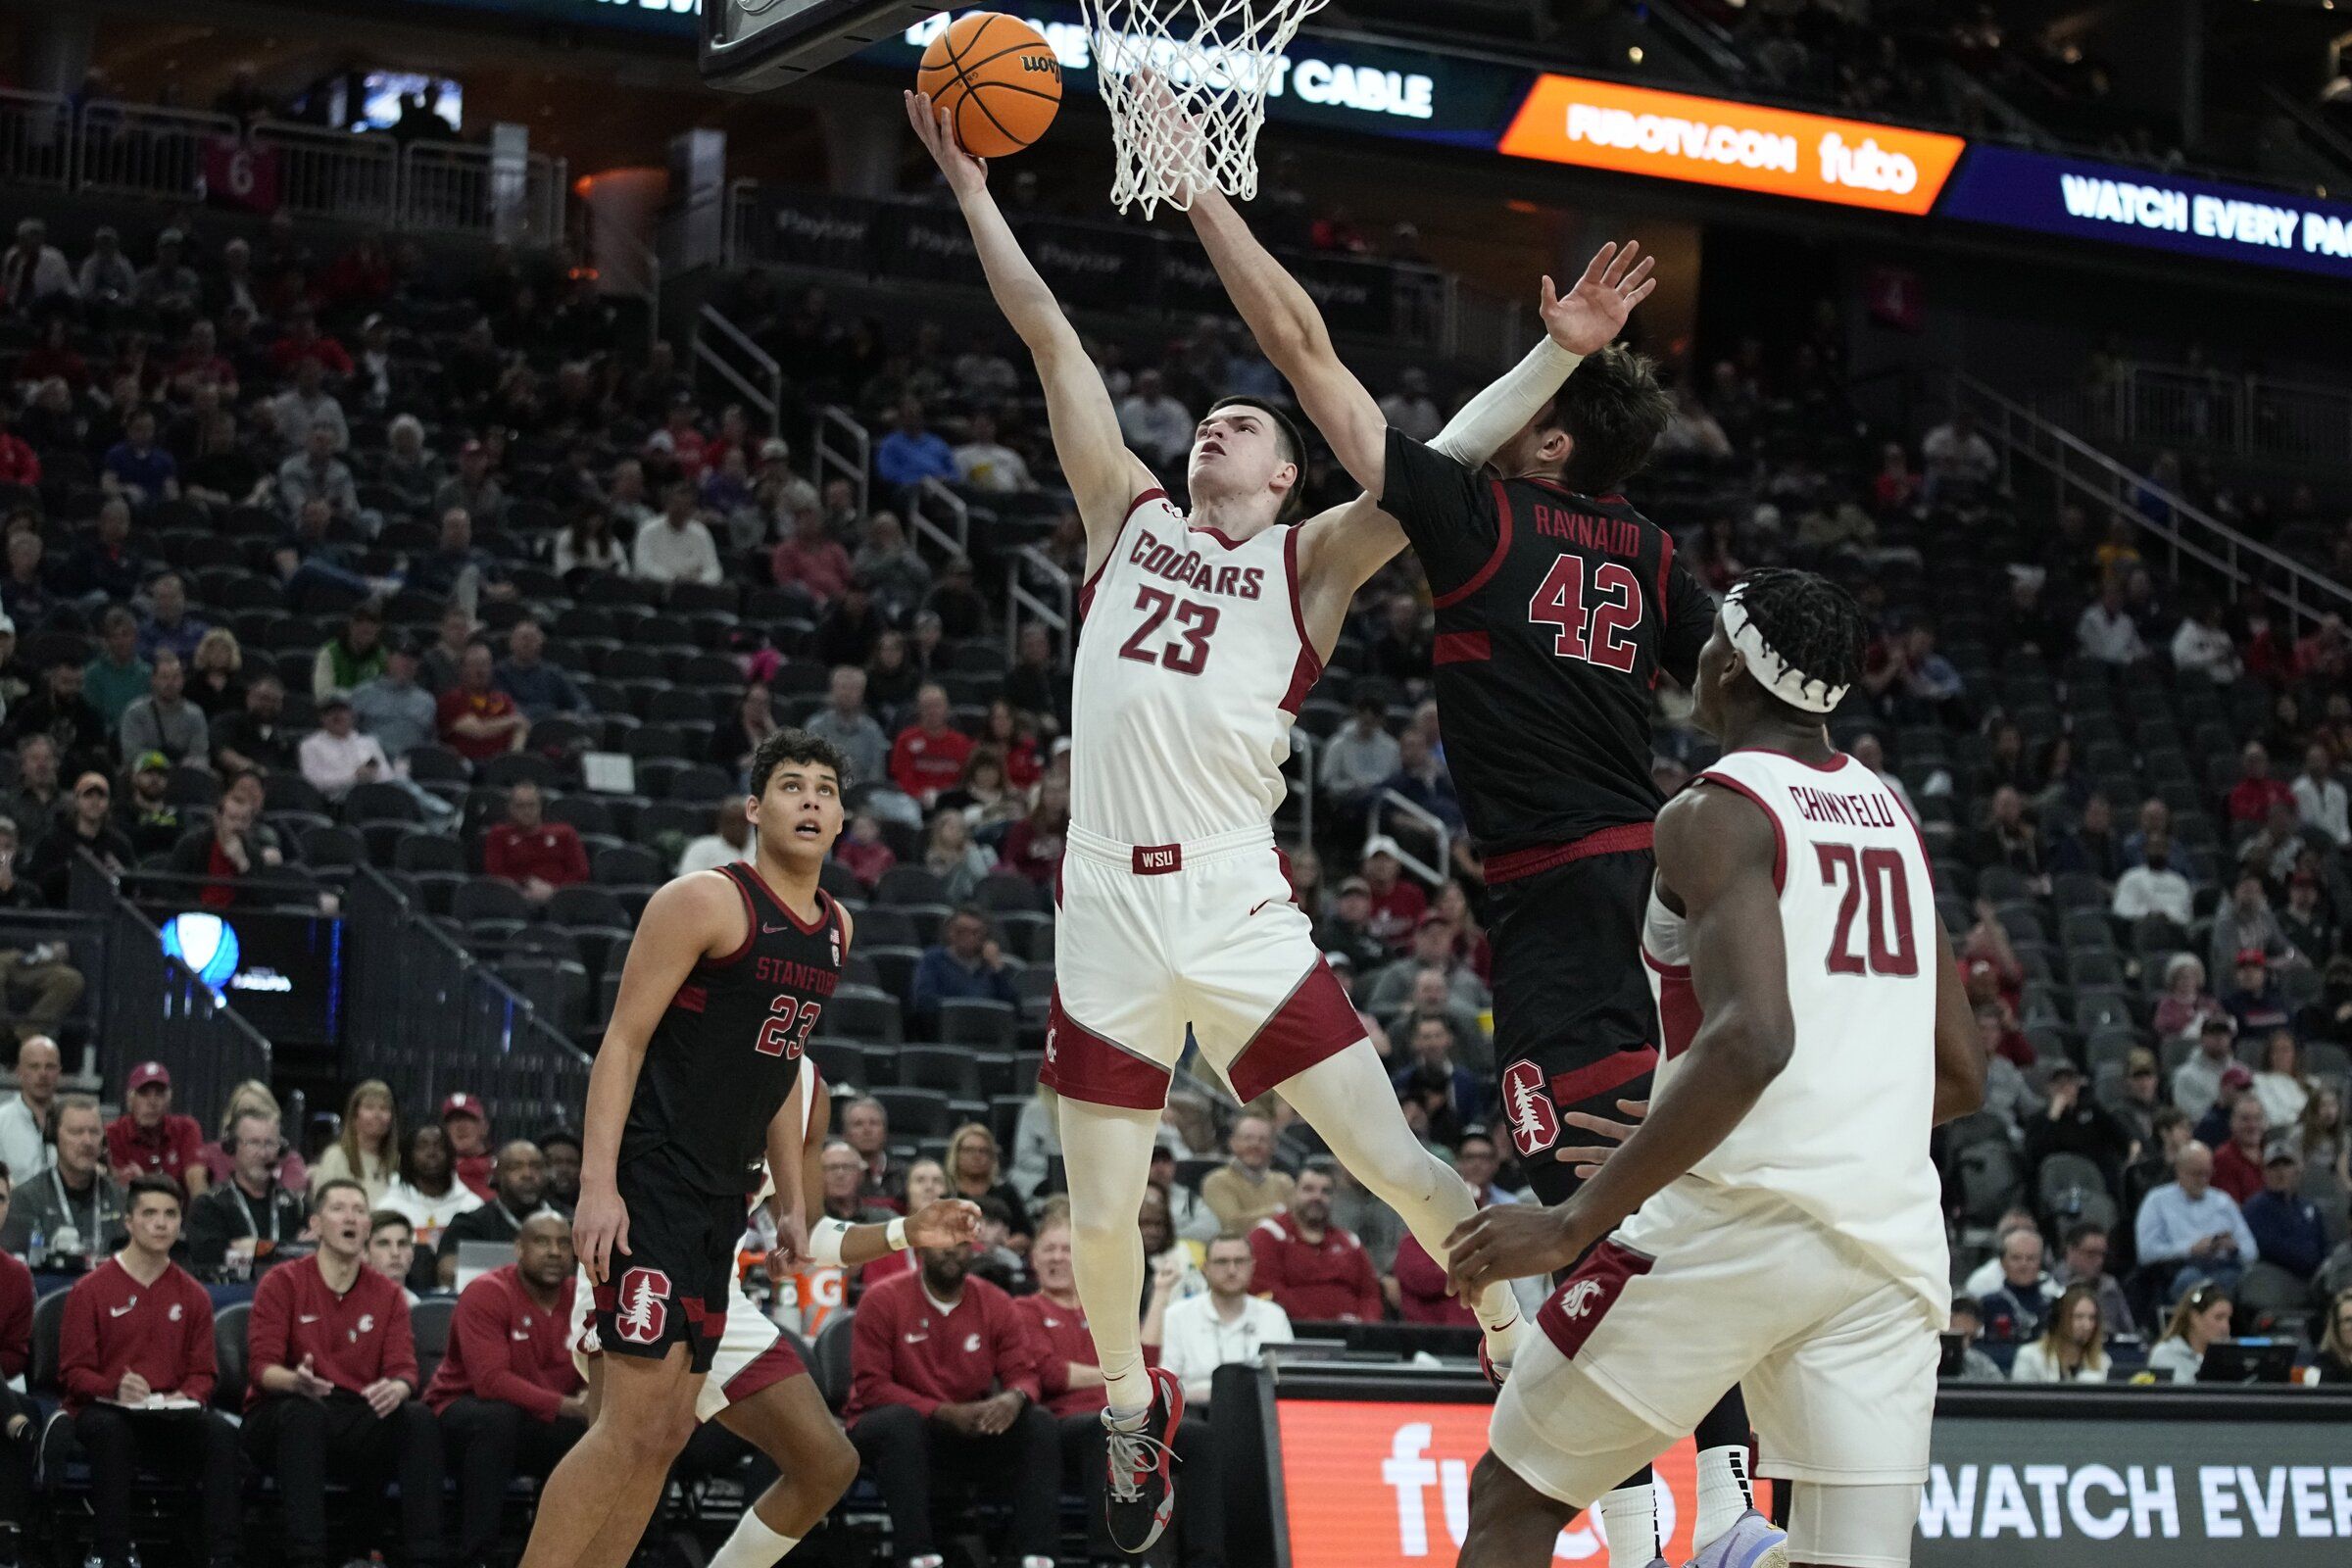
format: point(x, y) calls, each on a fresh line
point(1387, 1485)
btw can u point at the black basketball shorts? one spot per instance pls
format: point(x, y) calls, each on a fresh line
point(671, 1287)
point(1575, 1024)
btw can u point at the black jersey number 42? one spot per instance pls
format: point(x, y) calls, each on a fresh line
point(1604, 635)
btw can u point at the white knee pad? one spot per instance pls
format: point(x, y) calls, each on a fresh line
point(1852, 1527)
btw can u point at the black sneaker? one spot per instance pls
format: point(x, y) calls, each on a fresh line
point(1139, 1494)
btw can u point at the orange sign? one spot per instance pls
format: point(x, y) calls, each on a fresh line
point(1388, 1485)
point(1711, 141)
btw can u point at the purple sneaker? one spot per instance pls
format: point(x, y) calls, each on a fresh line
point(1752, 1542)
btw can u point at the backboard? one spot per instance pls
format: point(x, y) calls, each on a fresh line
point(754, 45)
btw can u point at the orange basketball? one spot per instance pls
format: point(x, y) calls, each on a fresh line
point(996, 80)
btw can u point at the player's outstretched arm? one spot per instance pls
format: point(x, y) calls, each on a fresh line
point(1290, 331)
point(1102, 475)
point(682, 922)
point(1960, 1060)
point(1715, 853)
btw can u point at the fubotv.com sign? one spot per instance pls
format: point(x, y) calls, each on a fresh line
point(2114, 205)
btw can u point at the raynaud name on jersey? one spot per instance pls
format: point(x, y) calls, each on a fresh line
point(1845, 811)
point(1588, 530)
point(1191, 570)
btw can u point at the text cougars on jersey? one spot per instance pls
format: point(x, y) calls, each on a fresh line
point(1192, 570)
point(1845, 811)
point(805, 978)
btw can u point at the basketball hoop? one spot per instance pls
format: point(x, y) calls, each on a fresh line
point(1186, 84)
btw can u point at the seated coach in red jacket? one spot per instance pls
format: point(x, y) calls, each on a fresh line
point(19, 1417)
point(335, 1390)
point(944, 1378)
point(507, 1393)
point(135, 1348)
point(1313, 1270)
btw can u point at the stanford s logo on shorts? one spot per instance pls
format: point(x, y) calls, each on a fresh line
point(1527, 1104)
point(643, 1309)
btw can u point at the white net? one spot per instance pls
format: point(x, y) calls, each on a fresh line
point(1186, 82)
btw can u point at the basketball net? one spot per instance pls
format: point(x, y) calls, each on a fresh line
point(1186, 84)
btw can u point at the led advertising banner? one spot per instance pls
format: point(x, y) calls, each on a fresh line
point(2113, 205)
point(1712, 141)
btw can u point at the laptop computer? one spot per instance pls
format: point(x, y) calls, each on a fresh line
point(2258, 1360)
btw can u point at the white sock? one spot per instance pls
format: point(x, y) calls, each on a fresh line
point(1629, 1517)
point(1340, 1097)
point(1724, 1493)
point(751, 1545)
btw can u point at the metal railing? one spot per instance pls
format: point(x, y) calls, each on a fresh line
point(757, 377)
point(1024, 603)
point(2195, 409)
point(1429, 822)
point(2080, 472)
point(426, 1017)
point(153, 1008)
point(37, 139)
point(843, 449)
point(124, 149)
point(953, 537)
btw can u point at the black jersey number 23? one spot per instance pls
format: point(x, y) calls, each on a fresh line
point(784, 1034)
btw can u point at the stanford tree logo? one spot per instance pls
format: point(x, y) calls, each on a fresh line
point(1535, 1125)
point(643, 1309)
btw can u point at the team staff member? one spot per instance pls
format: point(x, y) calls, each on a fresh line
point(248, 1217)
point(1313, 1270)
point(334, 1385)
point(75, 1205)
point(18, 1414)
point(517, 1191)
point(149, 1139)
point(139, 1329)
point(944, 1377)
point(509, 1398)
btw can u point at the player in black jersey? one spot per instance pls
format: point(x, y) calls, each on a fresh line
point(691, 1094)
point(1558, 606)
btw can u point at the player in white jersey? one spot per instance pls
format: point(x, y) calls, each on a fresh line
point(1204, 633)
point(1775, 1220)
point(759, 1387)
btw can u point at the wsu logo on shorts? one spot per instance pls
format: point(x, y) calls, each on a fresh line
point(643, 1308)
point(1577, 1298)
point(1535, 1125)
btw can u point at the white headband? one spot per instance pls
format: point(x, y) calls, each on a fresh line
point(1771, 668)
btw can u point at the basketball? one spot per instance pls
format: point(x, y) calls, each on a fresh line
point(996, 79)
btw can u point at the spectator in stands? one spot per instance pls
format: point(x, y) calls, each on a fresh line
point(2106, 631)
point(75, 1206)
point(2256, 1001)
point(985, 464)
point(391, 707)
point(368, 1147)
point(2256, 793)
point(534, 854)
point(106, 278)
point(1454, 1096)
point(2076, 1123)
point(27, 1147)
point(237, 845)
point(862, 850)
point(135, 1361)
point(164, 720)
point(34, 273)
point(2199, 1321)
point(168, 623)
point(2287, 1226)
point(1359, 758)
point(945, 1379)
point(38, 983)
point(2245, 923)
point(2189, 1231)
point(2071, 1347)
point(1247, 1188)
point(314, 473)
point(473, 490)
point(439, 662)
point(2135, 1102)
point(811, 560)
point(1227, 1326)
point(476, 719)
point(2197, 1081)
point(428, 1194)
point(843, 1174)
point(307, 405)
point(2202, 646)
point(587, 547)
point(563, 1149)
point(353, 657)
point(2015, 1308)
point(518, 1195)
point(844, 722)
point(214, 680)
point(2185, 1006)
point(965, 964)
point(1156, 427)
point(976, 1171)
point(1309, 1266)
point(466, 1120)
point(1348, 928)
point(734, 739)
point(456, 569)
point(20, 465)
point(25, 592)
point(675, 547)
point(1032, 846)
point(34, 803)
point(912, 451)
point(2320, 796)
point(136, 469)
point(238, 1228)
point(729, 839)
point(149, 1140)
point(2279, 1085)
point(2010, 838)
point(2238, 1162)
point(949, 853)
point(257, 740)
point(89, 828)
point(1967, 1323)
point(334, 1384)
point(2333, 1362)
point(1959, 461)
point(412, 472)
point(2083, 1266)
point(335, 755)
point(890, 567)
point(117, 676)
point(929, 754)
point(538, 687)
point(2307, 923)
point(865, 1125)
point(1434, 948)
point(2153, 887)
point(107, 567)
point(510, 1399)
point(60, 711)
